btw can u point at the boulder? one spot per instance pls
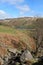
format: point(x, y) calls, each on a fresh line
point(26, 56)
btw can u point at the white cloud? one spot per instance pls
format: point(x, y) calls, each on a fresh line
point(12, 1)
point(4, 15)
point(23, 9)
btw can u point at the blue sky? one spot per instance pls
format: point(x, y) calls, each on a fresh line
point(20, 8)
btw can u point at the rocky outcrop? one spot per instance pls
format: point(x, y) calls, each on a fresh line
point(26, 56)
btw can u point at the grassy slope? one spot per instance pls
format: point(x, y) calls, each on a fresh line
point(22, 35)
point(6, 29)
point(25, 22)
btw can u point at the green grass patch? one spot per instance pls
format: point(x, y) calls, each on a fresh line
point(6, 29)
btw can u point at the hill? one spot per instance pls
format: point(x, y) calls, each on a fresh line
point(21, 33)
point(22, 23)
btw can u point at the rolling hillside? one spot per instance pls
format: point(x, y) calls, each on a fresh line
point(21, 33)
point(22, 23)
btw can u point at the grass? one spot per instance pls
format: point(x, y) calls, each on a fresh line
point(6, 29)
point(21, 34)
point(10, 30)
